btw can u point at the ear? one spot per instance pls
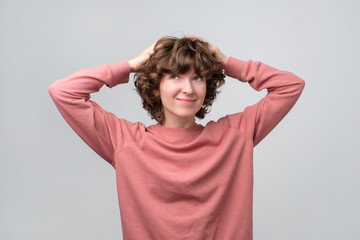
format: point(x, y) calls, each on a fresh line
point(157, 93)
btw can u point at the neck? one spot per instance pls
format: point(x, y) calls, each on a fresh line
point(177, 124)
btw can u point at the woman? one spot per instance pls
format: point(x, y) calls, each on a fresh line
point(178, 179)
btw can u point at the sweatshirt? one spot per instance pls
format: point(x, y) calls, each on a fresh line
point(180, 183)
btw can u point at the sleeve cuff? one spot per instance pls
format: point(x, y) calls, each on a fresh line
point(234, 67)
point(119, 73)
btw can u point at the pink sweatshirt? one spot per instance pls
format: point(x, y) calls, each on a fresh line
point(180, 183)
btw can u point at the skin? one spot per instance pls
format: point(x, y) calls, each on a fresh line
point(182, 95)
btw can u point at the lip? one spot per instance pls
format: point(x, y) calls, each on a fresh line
point(186, 100)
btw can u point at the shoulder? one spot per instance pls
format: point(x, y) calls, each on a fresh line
point(235, 123)
point(227, 121)
point(131, 127)
point(124, 130)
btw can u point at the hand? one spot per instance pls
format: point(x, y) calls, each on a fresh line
point(214, 50)
point(140, 59)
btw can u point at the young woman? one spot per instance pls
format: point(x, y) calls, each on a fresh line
point(178, 179)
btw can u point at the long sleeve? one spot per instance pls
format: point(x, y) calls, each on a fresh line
point(284, 88)
point(71, 96)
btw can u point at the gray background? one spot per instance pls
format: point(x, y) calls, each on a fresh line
point(53, 186)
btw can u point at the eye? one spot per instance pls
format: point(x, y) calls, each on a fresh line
point(197, 78)
point(173, 77)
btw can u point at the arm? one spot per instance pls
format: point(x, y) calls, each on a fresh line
point(101, 130)
point(71, 96)
point(284, 88)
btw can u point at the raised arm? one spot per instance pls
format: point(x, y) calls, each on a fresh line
point(101, 130)
point(93, 124)
point(283, 87)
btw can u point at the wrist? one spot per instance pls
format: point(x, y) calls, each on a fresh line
point(224, 61)
point(132, 67)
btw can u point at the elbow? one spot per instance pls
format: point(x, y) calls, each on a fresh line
point(296, 85)
point(300, 86)
point(53, 90)
point(298, 82)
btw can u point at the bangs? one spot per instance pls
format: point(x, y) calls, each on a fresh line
point(178, 64)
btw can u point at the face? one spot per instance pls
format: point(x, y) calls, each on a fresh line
point(182, 96)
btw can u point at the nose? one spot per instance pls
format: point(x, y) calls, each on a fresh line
point(187, 86)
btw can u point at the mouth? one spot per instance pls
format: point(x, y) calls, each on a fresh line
point(186, 100)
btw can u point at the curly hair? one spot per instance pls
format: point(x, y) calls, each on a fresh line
point(176, 56)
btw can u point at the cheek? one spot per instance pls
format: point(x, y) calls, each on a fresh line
point(168, 90)
point(165, 93)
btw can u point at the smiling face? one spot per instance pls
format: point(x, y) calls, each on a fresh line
point(172, 100)
point(182, 96)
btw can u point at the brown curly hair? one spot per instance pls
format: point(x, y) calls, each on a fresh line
point(176, 56)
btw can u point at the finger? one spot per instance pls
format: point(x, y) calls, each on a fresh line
point(151, 48)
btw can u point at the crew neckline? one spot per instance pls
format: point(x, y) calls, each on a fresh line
point(195, 130)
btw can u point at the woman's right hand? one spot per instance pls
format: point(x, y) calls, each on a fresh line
point(140, 59)
point(220, 56)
